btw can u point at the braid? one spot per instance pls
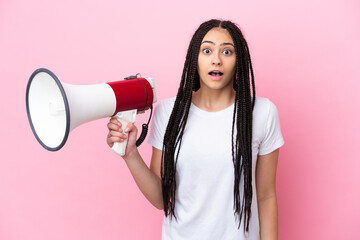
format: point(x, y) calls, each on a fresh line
point(241, 126)
point(244, 105)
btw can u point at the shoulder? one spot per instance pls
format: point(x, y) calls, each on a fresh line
point(266, 125)
point(262, 102)
point(263, 106)
point(164, 108)
point(264, 114)
point(165, 104)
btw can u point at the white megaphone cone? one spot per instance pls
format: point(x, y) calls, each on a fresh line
point(55, 108)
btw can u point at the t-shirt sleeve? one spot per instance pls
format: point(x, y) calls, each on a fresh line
point(158, 126)
point(273, 138)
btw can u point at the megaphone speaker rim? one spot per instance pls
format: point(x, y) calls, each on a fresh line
point(66, 105)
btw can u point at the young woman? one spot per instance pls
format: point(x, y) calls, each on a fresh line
point(215, 145)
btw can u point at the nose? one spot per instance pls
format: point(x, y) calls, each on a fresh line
point(216, 60)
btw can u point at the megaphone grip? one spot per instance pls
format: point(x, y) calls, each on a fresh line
point(124, 117)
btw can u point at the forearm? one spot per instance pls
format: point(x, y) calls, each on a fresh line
point(147, 181)
point(268, 217)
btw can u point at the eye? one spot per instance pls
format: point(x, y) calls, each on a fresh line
point(206, 51)
point(227, 52)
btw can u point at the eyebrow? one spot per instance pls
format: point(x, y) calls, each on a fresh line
point(222, 44)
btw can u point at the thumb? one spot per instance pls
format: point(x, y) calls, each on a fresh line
point(132, 133)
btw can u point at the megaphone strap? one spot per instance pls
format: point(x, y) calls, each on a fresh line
point(145, 126)
point(137, 76)
point(146, 101)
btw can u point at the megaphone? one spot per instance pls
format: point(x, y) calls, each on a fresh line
point(55, 108)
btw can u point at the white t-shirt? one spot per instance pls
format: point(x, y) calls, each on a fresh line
point(204, 197)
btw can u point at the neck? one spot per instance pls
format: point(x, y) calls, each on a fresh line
point(213, 101)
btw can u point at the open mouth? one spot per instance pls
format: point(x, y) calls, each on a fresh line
point(216, 73)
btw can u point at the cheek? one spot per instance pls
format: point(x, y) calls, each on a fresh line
point(233, 65)
point(200, 66)
point(230, 65)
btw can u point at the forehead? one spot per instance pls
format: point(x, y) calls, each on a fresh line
point(218, 35)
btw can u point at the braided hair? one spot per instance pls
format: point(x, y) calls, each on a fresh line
point(242, 120)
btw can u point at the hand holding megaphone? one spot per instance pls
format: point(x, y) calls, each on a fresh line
point(124, 118)
point(55, 108)
point(121, 134)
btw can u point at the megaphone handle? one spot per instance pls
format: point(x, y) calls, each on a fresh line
point(124, 117)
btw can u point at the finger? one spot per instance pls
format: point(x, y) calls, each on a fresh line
point(129, 127)
point(112, 140)
point(113, 133)
point(115, 121)
point(118, 134)
point(115, 127)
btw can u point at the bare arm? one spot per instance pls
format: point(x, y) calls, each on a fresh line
point(147, 179)
point(266, 195)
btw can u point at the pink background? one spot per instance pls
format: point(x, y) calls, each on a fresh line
point(306, 60)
